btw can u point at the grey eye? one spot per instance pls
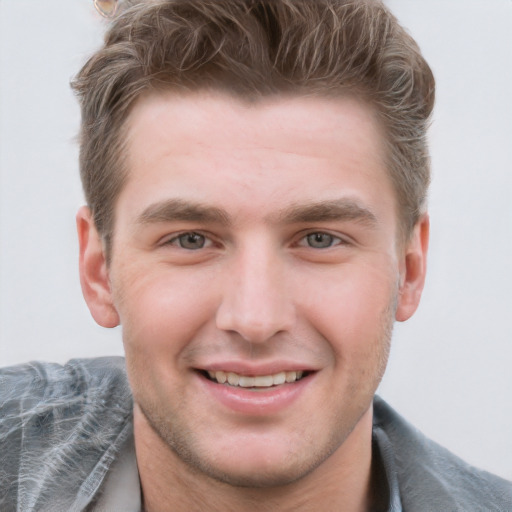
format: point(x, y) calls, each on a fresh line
point(191, 241)
point(320, 240)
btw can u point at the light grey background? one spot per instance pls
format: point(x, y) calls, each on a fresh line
point(449, 371)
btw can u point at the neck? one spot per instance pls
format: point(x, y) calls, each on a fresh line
point(341, 482)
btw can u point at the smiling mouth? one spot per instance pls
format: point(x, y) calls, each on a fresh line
point(257, 381)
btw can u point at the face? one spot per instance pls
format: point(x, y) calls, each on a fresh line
point(256, 273)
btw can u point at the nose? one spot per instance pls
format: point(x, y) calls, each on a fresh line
point(255, 302)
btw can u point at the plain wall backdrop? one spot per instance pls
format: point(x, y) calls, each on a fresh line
point(450, 367)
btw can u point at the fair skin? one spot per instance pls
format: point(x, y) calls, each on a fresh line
point(256, 239)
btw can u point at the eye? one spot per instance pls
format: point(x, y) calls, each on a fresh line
point(321, 240)
point(191, 241)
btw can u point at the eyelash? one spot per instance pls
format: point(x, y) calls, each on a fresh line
point(334, 240)
point(175, 240)
point(305, 240)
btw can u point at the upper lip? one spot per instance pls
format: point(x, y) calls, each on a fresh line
point(253, 369)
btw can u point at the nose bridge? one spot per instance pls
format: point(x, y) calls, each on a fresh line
point(256, 303)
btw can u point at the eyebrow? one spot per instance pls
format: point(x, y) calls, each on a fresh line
point(345, 209)
point(180, 210)
point(172, 210)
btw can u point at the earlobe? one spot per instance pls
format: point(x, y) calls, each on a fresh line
point(94, 272)
point(413, 270)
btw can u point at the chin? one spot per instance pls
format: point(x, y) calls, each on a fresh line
point(256, 475)
point(257, 480)
point(264, 463)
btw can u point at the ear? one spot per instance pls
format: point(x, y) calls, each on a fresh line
point(94, 272)
point(413, 268)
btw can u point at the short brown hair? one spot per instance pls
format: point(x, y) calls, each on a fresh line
point(253, 49)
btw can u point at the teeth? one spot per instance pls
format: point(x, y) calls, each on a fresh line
point(279, 378)
point(233, 378)
point(291, 376)
point(246, 382)
point(260, 381)
point(264, 382)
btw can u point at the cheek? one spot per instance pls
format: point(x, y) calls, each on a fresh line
point(161, 311)
point(353, 308)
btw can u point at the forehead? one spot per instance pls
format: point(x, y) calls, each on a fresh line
point(277, 151)
point(288, 118)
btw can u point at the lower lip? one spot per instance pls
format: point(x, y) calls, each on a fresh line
point(259, 402)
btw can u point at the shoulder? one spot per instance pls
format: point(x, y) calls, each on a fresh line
point(49, 391)
point(60, 427)
point(432, 478)
point(48, 379)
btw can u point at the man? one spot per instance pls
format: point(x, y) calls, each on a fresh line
point(256, 175)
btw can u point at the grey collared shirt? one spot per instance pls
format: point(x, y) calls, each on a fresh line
point(121, 488)
point(66, 445)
